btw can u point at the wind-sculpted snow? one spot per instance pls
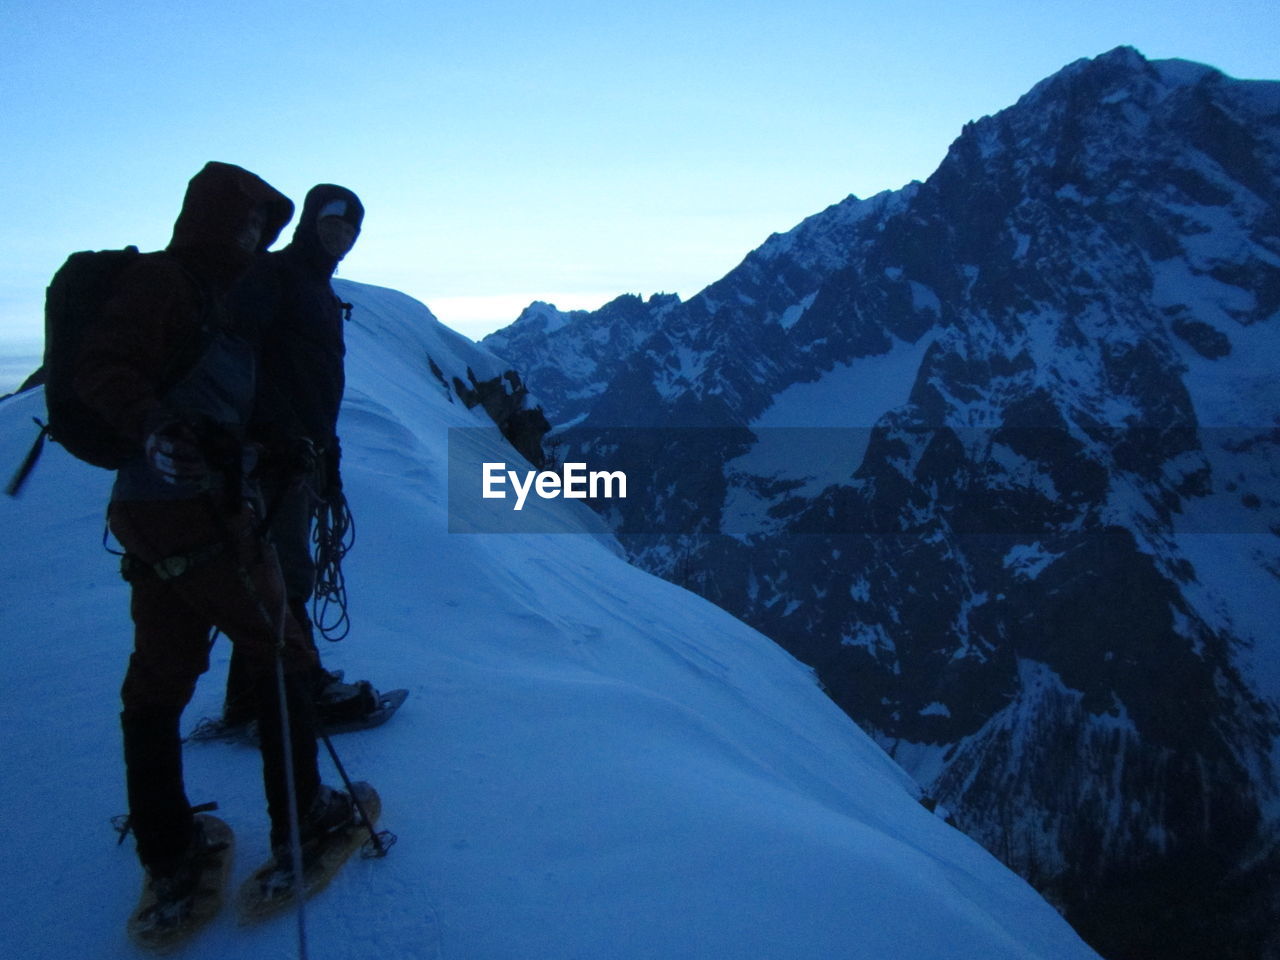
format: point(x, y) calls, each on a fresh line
point(592, 762)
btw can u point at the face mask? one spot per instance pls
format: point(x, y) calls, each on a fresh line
point(336, 236)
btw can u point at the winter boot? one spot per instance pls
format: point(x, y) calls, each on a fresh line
point(177, 892)
point(340, 703)
point(330, 811)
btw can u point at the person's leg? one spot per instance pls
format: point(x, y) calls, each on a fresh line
point(171, 648)
point(252, 611)
point(290, 534)
point(238, 588)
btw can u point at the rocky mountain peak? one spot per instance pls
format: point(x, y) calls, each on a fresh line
point(999, 455)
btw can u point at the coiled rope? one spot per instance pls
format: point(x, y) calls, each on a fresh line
point(333, 535)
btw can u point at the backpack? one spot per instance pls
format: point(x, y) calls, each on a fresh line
point(74, 303)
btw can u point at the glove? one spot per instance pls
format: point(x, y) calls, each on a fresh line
point(301, 457)
point(173, 451)
point(294, 464)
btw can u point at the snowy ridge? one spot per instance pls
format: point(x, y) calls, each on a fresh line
point(592, 762)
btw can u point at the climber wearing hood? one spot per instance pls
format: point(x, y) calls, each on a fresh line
point(168, 368)
point(289, 303)
point(289, 300)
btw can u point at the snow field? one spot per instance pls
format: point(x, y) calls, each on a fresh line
point(592, 763)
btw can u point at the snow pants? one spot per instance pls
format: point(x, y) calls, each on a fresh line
point(290, 534)
point(231, 581)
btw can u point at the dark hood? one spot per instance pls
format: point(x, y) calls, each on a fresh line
point(219, 203)
point(306, 241)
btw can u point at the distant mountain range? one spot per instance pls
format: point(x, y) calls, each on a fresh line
point(999, 455)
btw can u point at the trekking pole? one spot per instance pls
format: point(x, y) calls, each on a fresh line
point(291, 788)
point(277, 626)
point(381, 841)
point(286, 737)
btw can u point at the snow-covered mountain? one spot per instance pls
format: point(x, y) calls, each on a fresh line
point(592, 763)
point(999, 455)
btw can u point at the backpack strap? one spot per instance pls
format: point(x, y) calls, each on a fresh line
point(29, 462)
point(187, 357)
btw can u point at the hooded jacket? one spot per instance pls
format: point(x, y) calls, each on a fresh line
point(288, 300)
point(169, 314)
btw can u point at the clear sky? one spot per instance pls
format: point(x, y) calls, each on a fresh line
point(566, 150)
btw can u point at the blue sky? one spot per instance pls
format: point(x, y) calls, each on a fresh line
point(566, 151)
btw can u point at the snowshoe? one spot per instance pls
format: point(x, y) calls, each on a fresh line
point(217, 728)
point(330, 835)
point(385, 705)
point(361, 711)
point(173, 908)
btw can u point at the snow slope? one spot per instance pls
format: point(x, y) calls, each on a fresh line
point(592, 764)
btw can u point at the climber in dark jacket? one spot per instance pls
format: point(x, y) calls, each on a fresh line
point(183, 509)
point(289, 298)
point(289, 303)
